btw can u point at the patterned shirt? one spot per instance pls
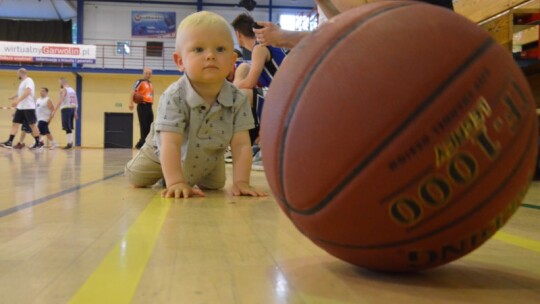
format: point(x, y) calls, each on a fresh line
point(206, 130)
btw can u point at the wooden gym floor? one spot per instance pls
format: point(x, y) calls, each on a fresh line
point(72, 230)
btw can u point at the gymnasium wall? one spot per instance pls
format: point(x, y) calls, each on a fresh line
point(105, 23)
point(101, 93)
point(110, 93)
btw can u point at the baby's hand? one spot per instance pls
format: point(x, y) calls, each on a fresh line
point(243, 188)
point(181, 190)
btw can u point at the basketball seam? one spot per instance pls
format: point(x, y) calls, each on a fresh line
point(420, 109)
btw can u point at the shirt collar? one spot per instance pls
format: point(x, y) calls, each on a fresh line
point(225, 96)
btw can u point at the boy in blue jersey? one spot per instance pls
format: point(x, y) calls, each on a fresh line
point(255, 78)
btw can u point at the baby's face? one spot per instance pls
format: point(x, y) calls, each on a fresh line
point(206, 54)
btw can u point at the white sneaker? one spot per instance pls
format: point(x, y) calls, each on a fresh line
point(255, 149)
point(257, 164)
point(52, 146)
point(228, 156)
point(160, 184)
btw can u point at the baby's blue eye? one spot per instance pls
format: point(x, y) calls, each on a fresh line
point(221, 49)
point(199, 49)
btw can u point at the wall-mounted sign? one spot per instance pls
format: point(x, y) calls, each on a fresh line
point(153, 24)
point(47, 52)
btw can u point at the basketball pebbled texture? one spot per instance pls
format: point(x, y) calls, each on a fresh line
point(138, 98)
point(399, 136)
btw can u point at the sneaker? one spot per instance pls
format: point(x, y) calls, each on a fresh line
point(255, 149)
point(7, 144)
point(19, 146)
point(160, 184)
point(68, 146)
point(257, 164)
point(52, 146)
point(228, 156)
point(36, 146)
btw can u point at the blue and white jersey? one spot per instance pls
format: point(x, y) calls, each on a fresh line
point(270, 67)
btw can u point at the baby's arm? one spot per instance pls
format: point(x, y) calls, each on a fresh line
point(241, 151)
point(171, 164)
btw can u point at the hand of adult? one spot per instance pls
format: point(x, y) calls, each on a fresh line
point(270, 34)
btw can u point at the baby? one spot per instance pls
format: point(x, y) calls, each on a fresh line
point(198, 117)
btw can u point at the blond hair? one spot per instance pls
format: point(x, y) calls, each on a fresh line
point(202, 19)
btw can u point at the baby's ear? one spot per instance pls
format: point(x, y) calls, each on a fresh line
point(178, 61)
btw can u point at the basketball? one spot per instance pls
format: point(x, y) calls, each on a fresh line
point(399, 136)
point(137, 97)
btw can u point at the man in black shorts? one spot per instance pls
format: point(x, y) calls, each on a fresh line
point(25, 110)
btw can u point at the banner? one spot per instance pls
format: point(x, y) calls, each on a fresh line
point(47, 52)
point(153, 24)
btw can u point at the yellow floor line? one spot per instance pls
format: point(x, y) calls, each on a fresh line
point(518, 241)
point(117, 277)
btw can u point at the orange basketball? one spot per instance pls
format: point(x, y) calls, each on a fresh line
point(138, 97)
point(399, 136)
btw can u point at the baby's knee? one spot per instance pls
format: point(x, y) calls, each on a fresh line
point(140, 179)
point(133, 178)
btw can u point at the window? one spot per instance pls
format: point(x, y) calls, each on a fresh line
point(154, 49)
point(123, 48)
point(74, 31)
point(299, 22)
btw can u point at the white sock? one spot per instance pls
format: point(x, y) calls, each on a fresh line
point(70, 138)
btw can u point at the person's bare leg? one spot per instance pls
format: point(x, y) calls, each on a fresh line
point(35, 131)
point(15, 128)
point(23, 136)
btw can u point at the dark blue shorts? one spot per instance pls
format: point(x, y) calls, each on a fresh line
point(68, 115)
point(43, 127)
point(26, 127)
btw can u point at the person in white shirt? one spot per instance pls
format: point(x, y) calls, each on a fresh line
point(44, 110)
point(25, 109)
point(68, 104)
